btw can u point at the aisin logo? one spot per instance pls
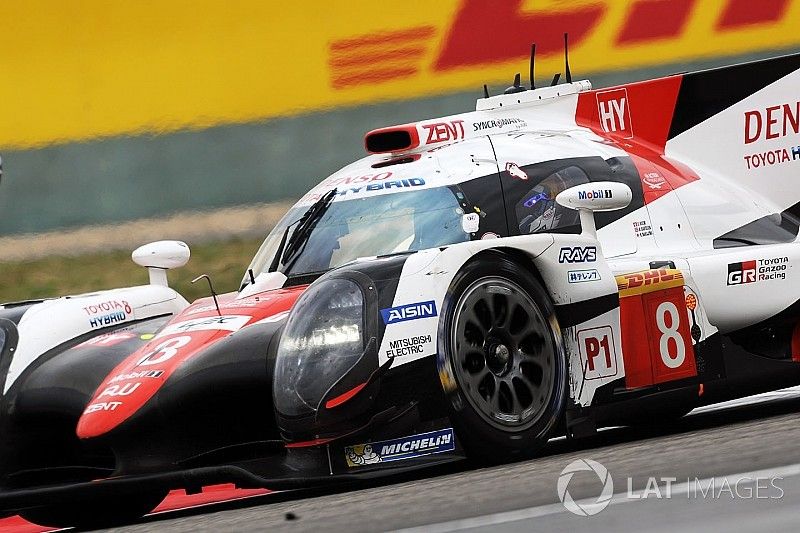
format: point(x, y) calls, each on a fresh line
point(585, 509)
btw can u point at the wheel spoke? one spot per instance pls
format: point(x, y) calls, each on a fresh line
point(501, 305)
point(473, 362)
point(471, 318)
point(482, 312)
point(532, 344)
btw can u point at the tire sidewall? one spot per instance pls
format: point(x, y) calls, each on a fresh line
point(481, 440)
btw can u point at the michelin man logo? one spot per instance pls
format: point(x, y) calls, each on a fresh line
point(361, 455)
point(585, 508)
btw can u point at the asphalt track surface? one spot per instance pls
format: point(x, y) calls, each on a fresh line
point(752, 447)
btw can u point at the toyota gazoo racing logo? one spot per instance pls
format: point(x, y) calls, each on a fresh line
point(585, 507)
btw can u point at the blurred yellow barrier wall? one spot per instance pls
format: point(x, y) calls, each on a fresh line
point(95, 68)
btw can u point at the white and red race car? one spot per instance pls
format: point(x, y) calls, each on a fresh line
point(557, 260)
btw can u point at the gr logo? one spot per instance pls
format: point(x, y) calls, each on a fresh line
point(613, 108)
point(577, 254)
point(739, 273)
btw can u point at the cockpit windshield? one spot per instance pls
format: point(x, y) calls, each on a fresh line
point(366, 227)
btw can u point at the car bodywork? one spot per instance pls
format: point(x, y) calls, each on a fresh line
point(683, 297)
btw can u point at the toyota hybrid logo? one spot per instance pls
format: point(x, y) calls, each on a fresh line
point(585, 508)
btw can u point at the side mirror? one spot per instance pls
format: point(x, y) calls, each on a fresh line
point(596, 196)
point(160, 256)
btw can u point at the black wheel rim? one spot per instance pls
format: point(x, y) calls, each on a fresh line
point(504, 353)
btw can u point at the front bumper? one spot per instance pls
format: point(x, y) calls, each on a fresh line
point(294, 469)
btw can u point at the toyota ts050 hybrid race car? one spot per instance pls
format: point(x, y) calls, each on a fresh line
point(55, 352)
point(558, 260)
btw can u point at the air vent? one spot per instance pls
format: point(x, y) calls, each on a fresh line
point(396, 161)
point(396, 139)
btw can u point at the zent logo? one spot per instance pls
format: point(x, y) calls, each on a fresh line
point(614, 110)
point(413, 311)
point(739, 273)
point(577, 254)
point(444, 131)
point(598, 356)
point(102, 406)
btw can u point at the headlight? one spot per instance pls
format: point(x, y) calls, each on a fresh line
point(322, 341)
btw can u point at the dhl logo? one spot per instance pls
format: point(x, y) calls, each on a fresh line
point(266, 62)
point(646, 281)
point(484, 32)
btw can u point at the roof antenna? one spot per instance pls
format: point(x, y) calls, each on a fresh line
point(516, 88)
point(485, 91)
point(566, 57)
point(211, 287)
point(533, 59)
point(555, 79)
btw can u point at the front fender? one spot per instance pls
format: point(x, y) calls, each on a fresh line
point(574, 273)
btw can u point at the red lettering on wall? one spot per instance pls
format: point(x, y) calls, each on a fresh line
point(489, 32)
point(378, 57)
point(745, 12)
point(655, 19)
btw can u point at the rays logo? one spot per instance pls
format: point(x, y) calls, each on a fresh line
point(406, 312)
point(577, 254)
point(584, 507)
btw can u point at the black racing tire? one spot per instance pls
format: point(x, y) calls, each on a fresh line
point(100, 512)
point(501, 360)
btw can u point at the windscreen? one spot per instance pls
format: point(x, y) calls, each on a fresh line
point(366, 227)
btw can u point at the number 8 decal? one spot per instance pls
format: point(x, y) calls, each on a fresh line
point(164, 351)
point(670, 333)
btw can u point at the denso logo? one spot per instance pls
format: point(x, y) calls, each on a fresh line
point(409, 312)
point(594, 195)
point(772, 122)
point(577, 254)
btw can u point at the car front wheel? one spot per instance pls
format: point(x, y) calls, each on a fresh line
point(503, 359)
